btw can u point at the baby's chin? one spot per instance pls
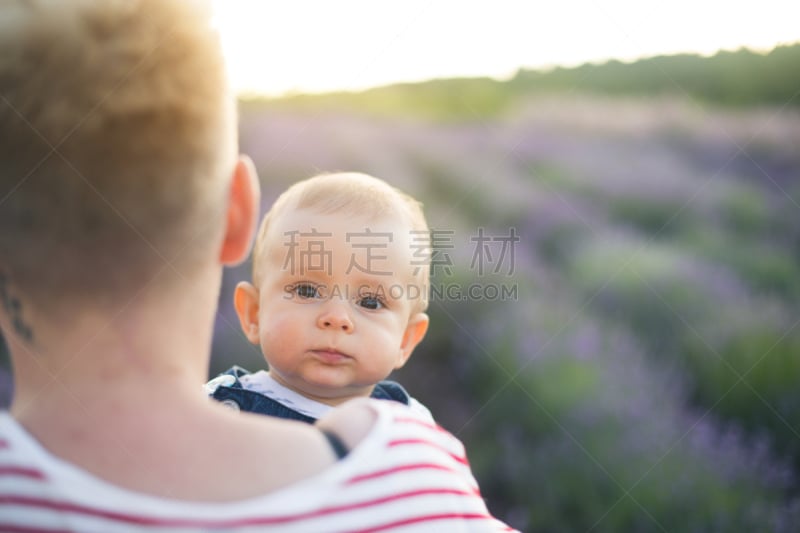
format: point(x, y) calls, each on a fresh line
point(328, 389)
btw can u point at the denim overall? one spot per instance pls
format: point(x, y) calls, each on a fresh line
point(237, 397)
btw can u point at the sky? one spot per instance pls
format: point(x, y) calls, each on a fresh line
point(275, 47)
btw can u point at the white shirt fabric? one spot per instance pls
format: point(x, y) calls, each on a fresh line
point(263, 383)
point(407, 475)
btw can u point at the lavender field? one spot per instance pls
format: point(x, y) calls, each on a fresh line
point(615, 300)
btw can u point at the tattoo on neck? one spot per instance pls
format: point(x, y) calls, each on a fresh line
point(13, 307)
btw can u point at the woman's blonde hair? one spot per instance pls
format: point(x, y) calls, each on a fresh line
point(118, 133)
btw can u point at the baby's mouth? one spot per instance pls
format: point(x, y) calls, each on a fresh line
point(330, 355)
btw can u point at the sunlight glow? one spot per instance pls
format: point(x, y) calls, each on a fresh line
point(318, 46)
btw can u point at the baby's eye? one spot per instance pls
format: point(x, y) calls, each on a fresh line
point(306, 290)
point(370, 302)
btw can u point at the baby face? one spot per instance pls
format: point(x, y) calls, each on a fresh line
point(336, 303)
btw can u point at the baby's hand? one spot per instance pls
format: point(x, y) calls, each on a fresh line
point(351, 422)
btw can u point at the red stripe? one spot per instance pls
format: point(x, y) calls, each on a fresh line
point(21, 471)
point(427, 518)
point(429, 425)
point(394, 470)
point(401, 442)
point(4, 444)
point(9, 528)
point(405, 468)
point(185, 522)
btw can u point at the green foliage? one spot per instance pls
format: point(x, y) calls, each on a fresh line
point(752, 377)
point(729, 78)
point(746, 211)
point(652, 216)
point(741, 78)
point(470, 99)
point(643, 284)
point(768, 268)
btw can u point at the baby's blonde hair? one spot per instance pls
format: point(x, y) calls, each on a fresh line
point(118, 131)
point(353, 194)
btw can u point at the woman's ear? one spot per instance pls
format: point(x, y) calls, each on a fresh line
point(243, 205)
point(415, 332)
point(245, 301)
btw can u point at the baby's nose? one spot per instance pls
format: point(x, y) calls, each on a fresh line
point(335, 316)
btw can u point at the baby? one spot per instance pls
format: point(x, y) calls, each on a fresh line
point(341, 268)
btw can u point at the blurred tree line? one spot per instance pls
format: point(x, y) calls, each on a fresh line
point(734, 79)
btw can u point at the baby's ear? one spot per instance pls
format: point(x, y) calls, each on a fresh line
point(415, 332)
point(245, 301)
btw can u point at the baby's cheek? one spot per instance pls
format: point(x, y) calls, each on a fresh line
point(272, 337)
point(277, 336)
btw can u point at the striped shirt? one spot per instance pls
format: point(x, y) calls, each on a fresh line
point(407, 475)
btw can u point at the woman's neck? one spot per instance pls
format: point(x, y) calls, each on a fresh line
point(153, 346)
